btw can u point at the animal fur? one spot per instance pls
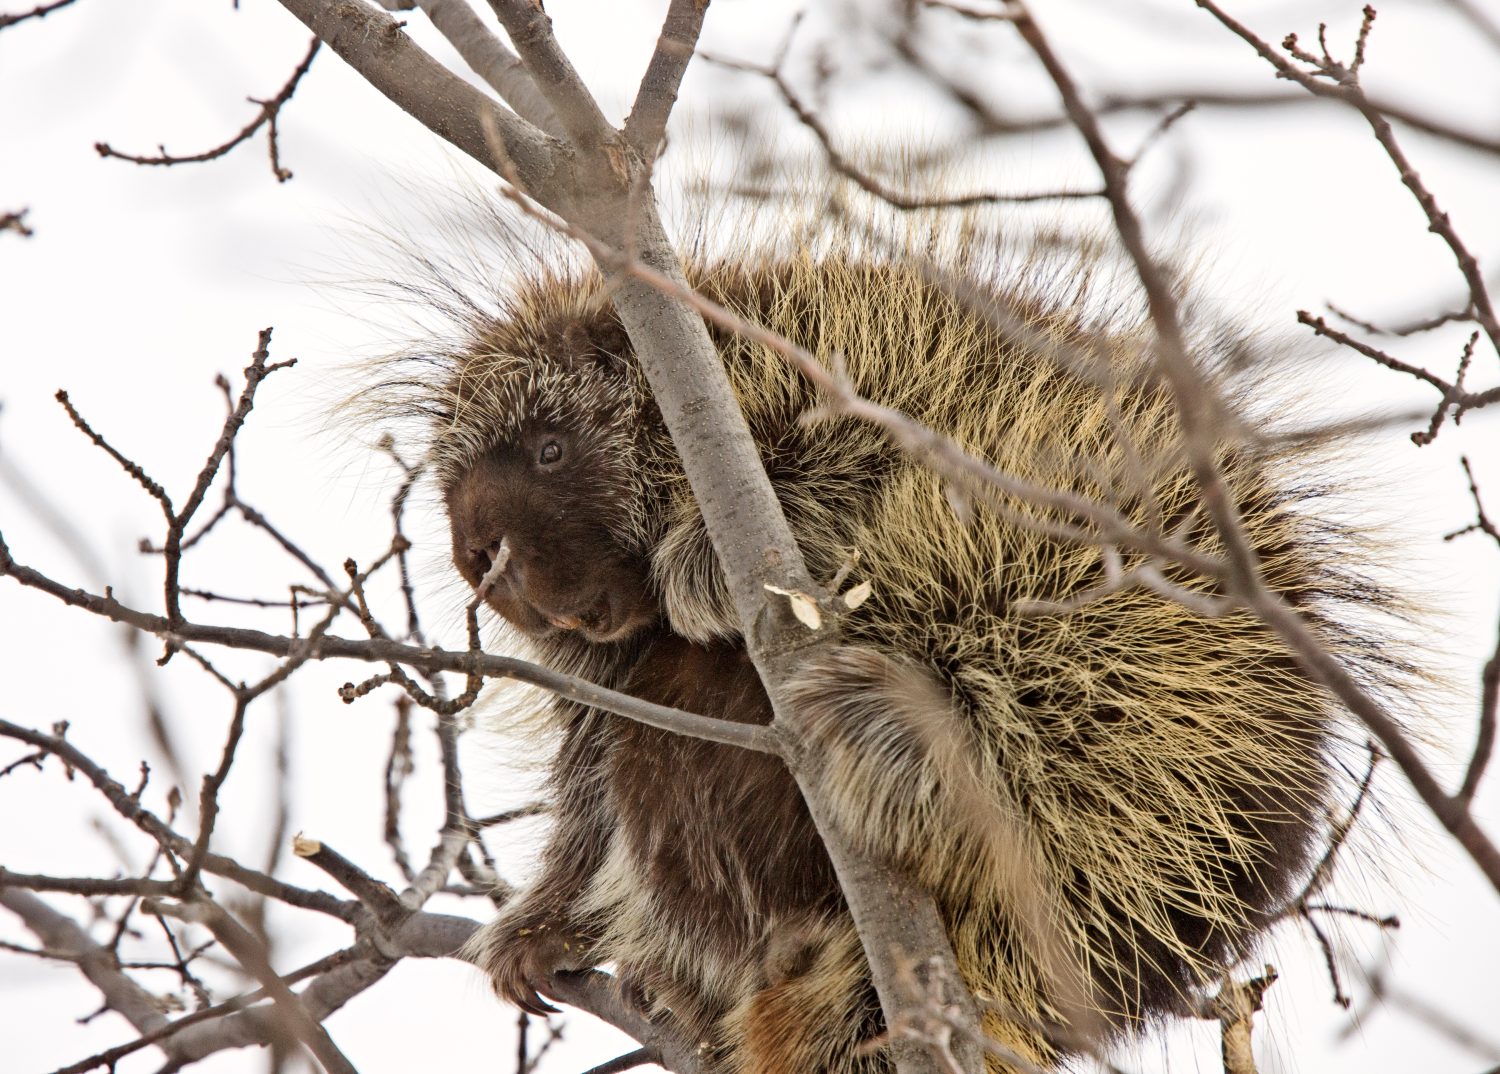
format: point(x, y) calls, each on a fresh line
point(1159, 780)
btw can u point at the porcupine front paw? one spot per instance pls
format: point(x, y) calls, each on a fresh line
point(520, 952)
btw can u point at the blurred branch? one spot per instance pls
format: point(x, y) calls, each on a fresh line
point(1479, 19)
point(841, 164)
point(41, 11)
point(251, 954)
point(16, 221)
point(66, 939)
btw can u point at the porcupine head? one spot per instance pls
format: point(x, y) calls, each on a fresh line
point(541, 463)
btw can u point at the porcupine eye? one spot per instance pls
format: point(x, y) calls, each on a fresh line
point(551, 453)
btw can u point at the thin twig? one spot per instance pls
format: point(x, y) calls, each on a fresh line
point(1330, 78)
point(386, 651)
point(41, 11)
point(840, 163)
point(269, 113)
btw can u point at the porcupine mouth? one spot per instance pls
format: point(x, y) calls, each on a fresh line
point(596, 621)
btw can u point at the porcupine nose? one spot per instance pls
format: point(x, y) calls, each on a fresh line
point(509, 569)
point(502, 565)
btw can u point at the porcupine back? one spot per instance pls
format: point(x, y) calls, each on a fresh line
point(1168, 772)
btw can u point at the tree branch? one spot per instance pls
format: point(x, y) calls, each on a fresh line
point(251, 954)
point(1342, 83)
point(530, 32)
point(646, 125)
point(488, 57)
point(269, 113)
point(374, 45)
point(387, 651)
point(61, 934)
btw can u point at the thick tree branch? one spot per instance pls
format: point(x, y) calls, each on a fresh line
point(530, 32)
point(373, 44)
point(895, 918)
point(646, 125)
point(488, 57)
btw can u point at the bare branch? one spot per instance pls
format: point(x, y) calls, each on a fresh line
point(16, 221)
point(1411, 328)
point(1451, 812)
point(1234, 1009)
point(128, 807)
point(604, 997)
point(530, 32)
point(1198, 410)
point(620, 1063)
point(1489, 679)
point(79, 885)
point(1479, 19)
point(41, 11)
point(385, 651)
point(974, 14)
point(488, 57)
point(64, 936)
point(132, 468)
point(186, 1046)
point(250, 953)
point(374, 45)
point(1456, 398)
point(255, 372)
point(646, 125)
point(1343, 84)
point(376, 897)
point(269, 113)
point(843, 165)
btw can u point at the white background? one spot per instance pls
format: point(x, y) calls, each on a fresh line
point(141, 284)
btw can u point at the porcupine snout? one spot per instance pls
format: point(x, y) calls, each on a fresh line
point(560, 571)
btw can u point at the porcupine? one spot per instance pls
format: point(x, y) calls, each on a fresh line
point(1169, 775)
